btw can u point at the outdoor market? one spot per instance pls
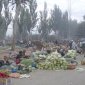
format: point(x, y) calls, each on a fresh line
point(44, 56)
point(42, 42)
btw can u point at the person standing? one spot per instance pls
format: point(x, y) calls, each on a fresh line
point(70, 45)
point(74, 45)
point(82, 44)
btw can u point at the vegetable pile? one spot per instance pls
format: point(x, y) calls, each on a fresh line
point(4, 74)
point(53, 61)
point(71, 54)
point(39, 56)
point(27, 66)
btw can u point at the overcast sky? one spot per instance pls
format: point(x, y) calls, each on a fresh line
point(77, 7)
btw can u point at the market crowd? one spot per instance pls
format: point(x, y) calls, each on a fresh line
point(62, 48)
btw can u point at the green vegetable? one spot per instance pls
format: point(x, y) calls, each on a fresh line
point(26, 62)
point(71, 54)
point(53, 61)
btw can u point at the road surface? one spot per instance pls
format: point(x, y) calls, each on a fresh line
point(73, 77)
point(68, 77)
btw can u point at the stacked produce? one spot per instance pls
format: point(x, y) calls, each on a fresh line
point(27, 65)
point(4, 74)
point(53, 61)
point(39, 56)
point(71, 59)
point(71, 54)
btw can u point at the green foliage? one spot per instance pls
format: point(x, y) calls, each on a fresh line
point(28, 18)
point(64, 25)
point(81, 30)
point(0, 6)
point(43, 26)
point(4, 21)
point(2, 27)
point(32, 15)
point(26, 62)
point(56, 16)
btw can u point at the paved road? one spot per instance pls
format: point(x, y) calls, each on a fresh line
point(53, 78)
point(69, 77)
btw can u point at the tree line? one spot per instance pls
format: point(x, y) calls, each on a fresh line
point(27, 18)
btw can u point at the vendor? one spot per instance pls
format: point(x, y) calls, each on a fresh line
point(1, 63)
point(6, 60)
point(82, 45)
point(62, 52)
point(17, 60)
point(29, 44)
point(18, 57)
point(48, 51)
point(23, 53)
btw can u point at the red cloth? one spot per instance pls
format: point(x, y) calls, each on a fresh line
point(3, 75)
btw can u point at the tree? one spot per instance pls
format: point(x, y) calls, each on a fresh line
point(32, 7)
point(2, 22)
point(73, 28)
point(81, 30)
point(23, 23)
point(56, 15)
point(7, 17)
point(31, 15)
point(18, 4)
point(2, 26)
point(0, 6)
point(28, 18)
point(64, 24)
point(43, 26)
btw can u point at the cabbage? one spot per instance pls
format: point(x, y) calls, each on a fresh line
point(71, 54)
point(53, 61)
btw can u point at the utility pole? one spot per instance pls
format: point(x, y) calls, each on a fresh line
point(69, 19)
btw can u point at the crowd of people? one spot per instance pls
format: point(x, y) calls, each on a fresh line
point(62, 48)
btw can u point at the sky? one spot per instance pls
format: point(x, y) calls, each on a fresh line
point(77, 7)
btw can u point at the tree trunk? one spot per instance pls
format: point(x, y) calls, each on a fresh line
point(15, 26)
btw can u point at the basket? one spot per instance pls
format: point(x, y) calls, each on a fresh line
point(83, 62)
point(5, 81)
point(71, 66)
